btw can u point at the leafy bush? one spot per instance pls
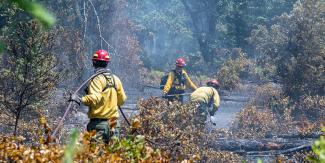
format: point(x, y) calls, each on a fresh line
point(169, 134)
point(253, 123)
point(295, 46)
point(264, 94)
point(29, 72)
point(303, 116)
point(231, 72)
point(319, 150)
point(174, 129)
point(81, 148)
point(270, 112)
point(312, 107)
point(132, 149)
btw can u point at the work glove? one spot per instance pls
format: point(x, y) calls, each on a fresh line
point(213, 111)
point(164, 94)
point(75, 98)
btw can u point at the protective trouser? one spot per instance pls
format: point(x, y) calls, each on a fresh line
point(201, 116)
point(103, 129)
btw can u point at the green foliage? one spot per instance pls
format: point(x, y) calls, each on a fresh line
point(171, 28)
point(295, 46)
point(71, 147)
point(230, 73)
point(28, 70)
point(132, 147)
point(37, 10)
point(319, 149)
point(239, 17)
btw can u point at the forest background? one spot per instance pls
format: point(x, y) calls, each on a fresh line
point(277, 41)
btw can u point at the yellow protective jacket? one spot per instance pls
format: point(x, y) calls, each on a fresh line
point(104, 104)
point(174, 83)
point(204, 95)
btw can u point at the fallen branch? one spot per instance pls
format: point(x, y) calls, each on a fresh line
point(305, 147)
point(296, 136)
point(247, 145)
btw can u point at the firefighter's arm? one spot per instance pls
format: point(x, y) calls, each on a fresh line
point(121, 97)
point(216, 100)
point(189, 83)
point(169, 83)
point(94, 92)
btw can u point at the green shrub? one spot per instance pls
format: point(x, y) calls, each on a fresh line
point(28, 71)
point(295, 46)
point(319, 150)
point(230, 73)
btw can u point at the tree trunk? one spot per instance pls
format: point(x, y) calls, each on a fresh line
point(16, 122)
point(204, 33)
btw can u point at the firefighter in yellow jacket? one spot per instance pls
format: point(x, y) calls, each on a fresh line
point(208, 99)
point(104, 95)
point(177, 81)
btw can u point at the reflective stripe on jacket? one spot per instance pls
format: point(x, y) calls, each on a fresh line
point(104, 104)
point(170, 82)
point(204, 95)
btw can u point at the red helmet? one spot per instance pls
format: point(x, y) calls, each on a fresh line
point(214, 83)
point(180, 62)
point(101, 55)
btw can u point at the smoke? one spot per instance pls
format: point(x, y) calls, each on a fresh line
point(108, 27)
point(164, 32)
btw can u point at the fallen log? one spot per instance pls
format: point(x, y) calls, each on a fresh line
point(244, 146)
point(305, 147)
point(296, 135)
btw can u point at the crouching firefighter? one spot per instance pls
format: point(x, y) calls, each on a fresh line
point(104, 95)
point(208, 101)
point(175, 83)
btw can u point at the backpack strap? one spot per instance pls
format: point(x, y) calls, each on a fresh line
point(103, 72)
point(180, 77)
point(108, 85)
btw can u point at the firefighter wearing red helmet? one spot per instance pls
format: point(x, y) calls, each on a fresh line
point(104, 94)
point(208, 99)
point(101, 55)
point(180, 62)
point(176, 82)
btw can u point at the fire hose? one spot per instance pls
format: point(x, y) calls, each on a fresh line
point(70, 103)
point(76, 92)
point(183, 94)
point(168, 95)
